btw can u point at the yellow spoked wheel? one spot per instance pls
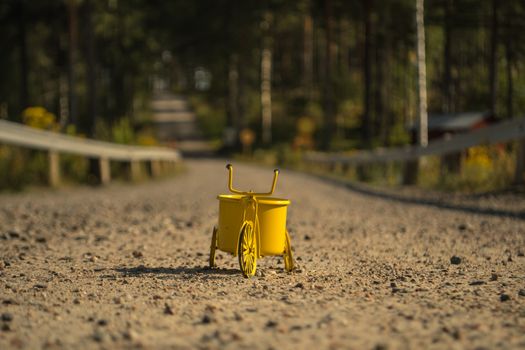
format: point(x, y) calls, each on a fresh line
point(288, 258)
point(247, 250)
point(213, 246)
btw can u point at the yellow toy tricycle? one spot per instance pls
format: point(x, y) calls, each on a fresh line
point(251, 225)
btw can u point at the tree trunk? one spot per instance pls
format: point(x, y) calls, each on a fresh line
point(99, 169)
point(367, 73)
point(308, 54)
point(421, 74)
point(266, 94)
point(379, 90)
point(233, 92)
point(510, 82)
point(387, 118)
point(73, 39)
point(493, 64)
point(412, 167)
point(24, 66)
point(90, 68)
point(329, 110)
point(448, 106)
point(343, 45)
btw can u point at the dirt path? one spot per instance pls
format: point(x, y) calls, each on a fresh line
point(125, 267)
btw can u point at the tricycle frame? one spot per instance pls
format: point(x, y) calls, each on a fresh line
point(248, 240)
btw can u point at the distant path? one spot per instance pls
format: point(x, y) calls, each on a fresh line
point(177, 124)
point(125, 266)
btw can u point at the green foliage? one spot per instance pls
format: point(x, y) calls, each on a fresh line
point(398, 135)
point(138, 43)
point(20, 167)
point(211, 117)
point(74, 168)
point(280, 155)
point(122, 132)
point(484, 168)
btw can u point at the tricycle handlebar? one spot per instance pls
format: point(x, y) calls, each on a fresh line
point(250, 193)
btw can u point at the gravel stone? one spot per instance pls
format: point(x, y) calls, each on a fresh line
point(455, 260)
point(7, 317)
point(504, 297)
point(351, 241)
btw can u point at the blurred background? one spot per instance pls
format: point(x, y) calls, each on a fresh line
point(265, 80)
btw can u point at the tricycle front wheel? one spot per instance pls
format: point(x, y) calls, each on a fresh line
point(213, 247)
point(247, 250)
point(288, 258)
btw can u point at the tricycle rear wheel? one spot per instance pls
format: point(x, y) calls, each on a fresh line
point(247, 250)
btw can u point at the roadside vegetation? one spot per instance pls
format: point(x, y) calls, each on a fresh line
point(266, 79)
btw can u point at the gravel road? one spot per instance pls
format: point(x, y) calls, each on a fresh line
point(126, 267)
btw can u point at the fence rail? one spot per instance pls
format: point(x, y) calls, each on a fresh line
point(55, 143)
point(502, 132)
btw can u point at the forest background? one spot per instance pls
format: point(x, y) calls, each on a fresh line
point(341, 75)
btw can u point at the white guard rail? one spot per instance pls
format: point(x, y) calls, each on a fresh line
point(24, 136)
point(502, 132)
point(55, 143)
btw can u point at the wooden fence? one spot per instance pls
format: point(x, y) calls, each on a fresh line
point(502, 132)
point(56, 143)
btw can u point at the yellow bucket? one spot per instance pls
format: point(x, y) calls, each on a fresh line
point(230, 220)
point(271, 218)
point(272, 224)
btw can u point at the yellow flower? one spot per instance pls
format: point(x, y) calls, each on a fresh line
point(38, 117)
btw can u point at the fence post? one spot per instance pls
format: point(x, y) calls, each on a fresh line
point(520, 162)
point(54, 168)
point(155, 168)
point(410, 172)
point(135, 170)
point(105, 170)
point(450, 163)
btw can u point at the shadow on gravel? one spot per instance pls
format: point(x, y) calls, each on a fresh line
point(438, 202)
point(181, 270)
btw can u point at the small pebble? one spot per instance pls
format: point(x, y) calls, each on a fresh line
point(130, 335)
point(504, 297)
point(521, 292)
point(13, 234)
point(299, 285)
point(99, 337)
point(455, 260)
point(168, 310)
point(494, 277)
point(271, 324)
point(477, 283)
point(7, 317)
point(206, 319)
point(137, 254)
point(380, 347)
